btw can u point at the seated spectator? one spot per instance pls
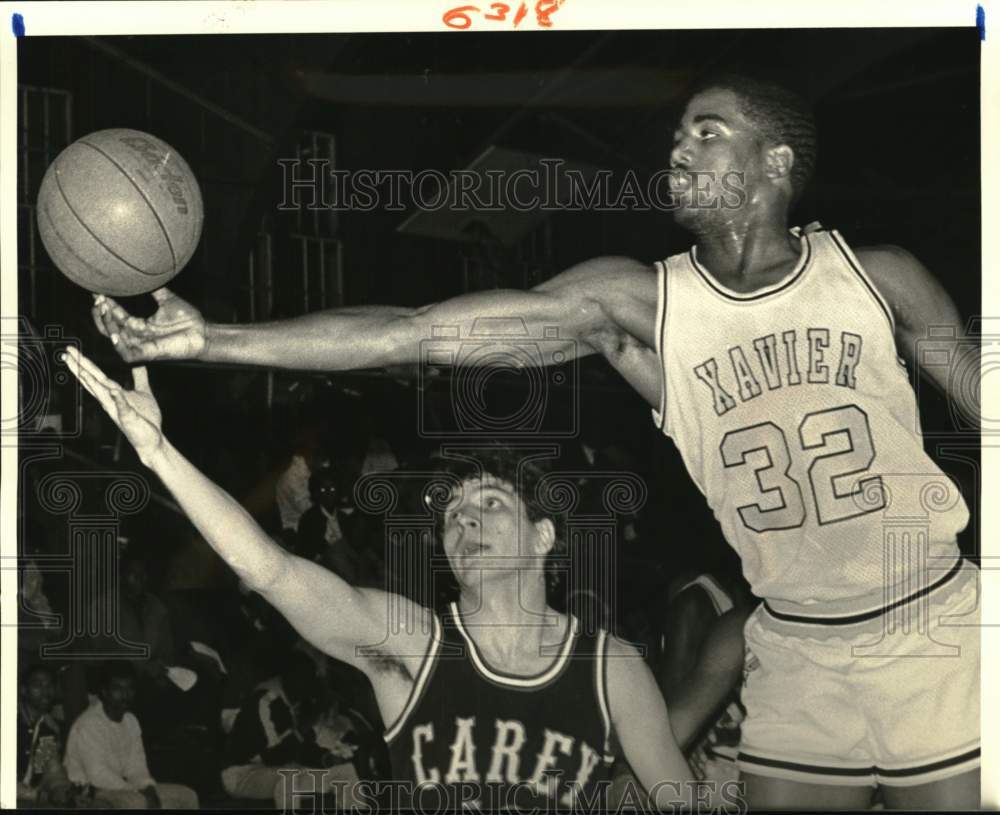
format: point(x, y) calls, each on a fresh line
point(37, 624)
point(292, 490)
point(143, 619)
point(41, 779)
point(272, 740)
point(105, 751)
point(379, 458)
point(321, 537)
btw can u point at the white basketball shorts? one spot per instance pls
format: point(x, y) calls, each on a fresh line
point(889, 696)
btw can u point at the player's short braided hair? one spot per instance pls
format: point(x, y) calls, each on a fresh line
point(780, 115)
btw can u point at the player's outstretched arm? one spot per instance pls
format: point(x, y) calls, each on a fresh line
point(919, 305)
point(639, 717)
point(584, 304)
point(331, 614)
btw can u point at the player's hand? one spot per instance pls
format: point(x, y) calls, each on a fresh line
point(135, 412)
point(175, 331)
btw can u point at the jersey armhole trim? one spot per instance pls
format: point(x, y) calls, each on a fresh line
point(660, 415)
point(855, 264)
point(417, 691)
point(601, 680)
point(718, 596)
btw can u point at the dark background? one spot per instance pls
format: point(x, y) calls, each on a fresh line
point(898, 115)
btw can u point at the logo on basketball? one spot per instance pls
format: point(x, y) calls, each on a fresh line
point(157, 162)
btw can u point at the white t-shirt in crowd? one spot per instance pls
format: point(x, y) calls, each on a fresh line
point(108, 755)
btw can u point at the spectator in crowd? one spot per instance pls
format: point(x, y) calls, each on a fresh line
point(272, 739)
point(105, 751)
point(143, 619)
point(292, 490)
point(379, 458)
point(321, 537)
point(41, 779)
point(36, 621)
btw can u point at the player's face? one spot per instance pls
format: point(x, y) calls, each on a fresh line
point(716, 152)
point(487, 525)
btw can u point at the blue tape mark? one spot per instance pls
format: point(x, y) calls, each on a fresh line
point(17, 24)
point(981, 22)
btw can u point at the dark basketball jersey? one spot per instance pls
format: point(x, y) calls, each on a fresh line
point(519, 742)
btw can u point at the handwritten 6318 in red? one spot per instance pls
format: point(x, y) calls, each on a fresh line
point(461, 16)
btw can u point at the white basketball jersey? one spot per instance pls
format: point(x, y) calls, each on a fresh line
point(795, 417)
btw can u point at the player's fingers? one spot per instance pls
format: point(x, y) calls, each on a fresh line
point(139, 349)
point(119, 404)
point(91, 369)
point(140, 379)
point(107, 319)
point(95, 312)
point(96, 389)
point(119, 313)
point(162, 295)
point(132, 346)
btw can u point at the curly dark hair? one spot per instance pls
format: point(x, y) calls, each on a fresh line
point(780, 115)
point(530, 479)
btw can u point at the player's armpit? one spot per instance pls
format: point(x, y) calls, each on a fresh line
point(925, 316)
point(639, 365)
point(623, 289)
point(360, 626)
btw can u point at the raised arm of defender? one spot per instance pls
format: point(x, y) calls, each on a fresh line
point(352, 620)
point(590, 305)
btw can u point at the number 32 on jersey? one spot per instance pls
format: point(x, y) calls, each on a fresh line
point(839, 444)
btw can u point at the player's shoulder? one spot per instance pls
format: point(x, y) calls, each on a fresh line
point(886, 257)
point(896, 272)
point(607, 273)
point(619, 264)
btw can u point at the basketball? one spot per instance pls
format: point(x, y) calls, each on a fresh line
point(119, 212)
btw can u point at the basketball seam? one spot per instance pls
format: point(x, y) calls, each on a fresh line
point(91, 232)
point(138, 189)
point(65, 243)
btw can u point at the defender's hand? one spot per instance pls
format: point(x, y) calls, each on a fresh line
point(135, 412)
point(175, 331)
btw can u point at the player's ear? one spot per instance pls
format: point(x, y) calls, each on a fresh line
point(778, 162)
point(546, 535)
